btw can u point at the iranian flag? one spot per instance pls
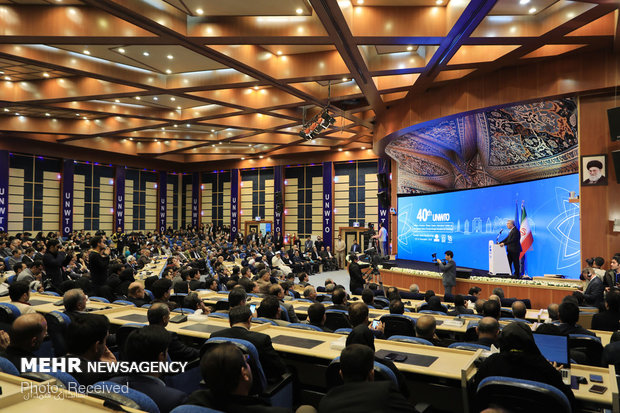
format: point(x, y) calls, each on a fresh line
point(526, 234)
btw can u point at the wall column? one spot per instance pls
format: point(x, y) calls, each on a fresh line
point(328, 203)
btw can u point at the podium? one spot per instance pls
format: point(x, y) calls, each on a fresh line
point(498, 260)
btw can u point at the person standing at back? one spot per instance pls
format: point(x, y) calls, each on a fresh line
point(448, 276)
point(98, 261)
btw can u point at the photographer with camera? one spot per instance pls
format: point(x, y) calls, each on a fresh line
point(449, 271)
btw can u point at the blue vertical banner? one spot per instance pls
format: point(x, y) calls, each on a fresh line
point(4, 191)
point(235, 190)
point(383, 167)
point(119, 198)
point(195, 199)
point(328, 203)
point(278, 202)
point(66, 204)
point(163, 198)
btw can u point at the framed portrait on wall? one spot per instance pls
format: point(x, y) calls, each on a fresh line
point(594, 170)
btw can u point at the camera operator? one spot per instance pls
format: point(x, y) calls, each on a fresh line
point(449, 272)
point(355, 272)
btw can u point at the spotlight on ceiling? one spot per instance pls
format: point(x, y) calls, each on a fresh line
point(317, 125)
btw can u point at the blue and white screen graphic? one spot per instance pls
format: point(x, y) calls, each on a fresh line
point(464, 222)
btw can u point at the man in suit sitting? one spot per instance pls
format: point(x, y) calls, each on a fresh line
point(150, 344)
point(159, 315)
point(425, 328)
point(137, 295)
point(569, 315)
point(270, 308)
point(316, 316)
point(26, 336)
point(608, 320)
point(459, 306)
point(228, 378)
point(519, 310)
point(360, 392)
point(488, 331)
point(594, 291)
point(339, 298)
point(240, 319)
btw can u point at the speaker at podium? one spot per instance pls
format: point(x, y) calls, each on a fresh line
point(498, 260)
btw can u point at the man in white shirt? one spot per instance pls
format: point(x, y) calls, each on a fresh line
point(20, 295)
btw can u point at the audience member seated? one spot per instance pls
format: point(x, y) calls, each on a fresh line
point(459, 306)
point(474, 291)
point(520, 358)
point(397, 307)
point(434, 304)
point(491, 308)
point(137, 295)
point(86, 338)
point(608, 320)
point(74, 301)
point(31, 273)
point(569, 315)
point(479, 306)
point(161, 291)
point(19, 292)
point(228, 379)
point(360, 393)
point(594, 293)
point(368, 297)
point(316, 316)
point(236, 297)
point(270, 308)
point(425, 328)
point(414, 293)
point(149, 344)
point(240, 319)
point(553, 310)
point(392, 293)
point(25, 337)
point(499, 292)
point(339, 298)
point(611, 352)
point(519, 310)
point(310, 294)
point(488, 331)
point(361, 334)
point(159, 315)
point(277, 291)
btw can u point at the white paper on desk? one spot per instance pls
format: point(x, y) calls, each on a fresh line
point(339, 344)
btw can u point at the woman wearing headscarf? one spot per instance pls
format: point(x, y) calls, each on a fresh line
point(520, 358)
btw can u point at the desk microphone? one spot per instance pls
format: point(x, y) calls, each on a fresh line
point(500, 233)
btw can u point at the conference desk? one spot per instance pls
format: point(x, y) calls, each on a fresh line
point(155, 267)
point(44, 303)
point(21, 395)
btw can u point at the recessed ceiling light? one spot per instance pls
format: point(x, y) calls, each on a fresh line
point(45, 74)
point(168, 71)
point(219, 143)
point(131, 139)
point(199, 12)
point(47, 114)
point(156, 140)
point(121, 50)
point(117, 101)
point(409, 48)
point(360, 1)
point(532, 10)
point(155, 98)
point(179, 107)
point(249, 144)
point(439, 2)
point(363, 147)
point(84, 118)
point(188, 125)
point(339, 149)
point(255, 87)
point(87, 52)
point(279, 52)
point(213, 146)
point(172, 99)
point(7, 109)
point(170, 57)
point(146, 54)
point(77, 114)
point(344, 79)
point(243, 159)
point(16, 113)
point(524, 2)
point(138, 98)
point(260, 156)
point(299, 11)
point(7, 78)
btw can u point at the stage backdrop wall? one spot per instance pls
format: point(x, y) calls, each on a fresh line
point(464, 222)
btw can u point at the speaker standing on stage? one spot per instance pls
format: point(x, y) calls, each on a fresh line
point(513, 246)
point(448, 278)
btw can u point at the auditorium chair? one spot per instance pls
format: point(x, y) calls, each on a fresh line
point(382, 301)
point(278, 394)
point(261, 320)
point(57, 323)
point(413, 340)
point(469, 346)
point(124, 302)
point(333, 377)
point(303, 326)
point(128, 398)
point(7, 367)
point(517, 395)
point(99, 299)
point(8, 314)
point(398, 325)
point(343, 331)
point(122, 333)
point(190, 408)
point(335, 319)
point(66, 380)
point(590, 346)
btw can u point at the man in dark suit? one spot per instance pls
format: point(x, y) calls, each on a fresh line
point(513, 247)
point(360, 392)
point(594, 293)
point(316, 316)
point(240, 319)
point(149, 344)
point(608, 320)
point(448, 278)
point(569, 314)
point(459, 306)
point(228, 379)
point(356, 247)
point(611, 352)
point(26, 336)
point(355, 272)
point(159, 315)
point(488, 331)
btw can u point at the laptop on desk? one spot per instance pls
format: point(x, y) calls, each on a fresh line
point(555, 349)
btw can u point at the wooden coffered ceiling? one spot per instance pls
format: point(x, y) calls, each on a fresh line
point(214, 80)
